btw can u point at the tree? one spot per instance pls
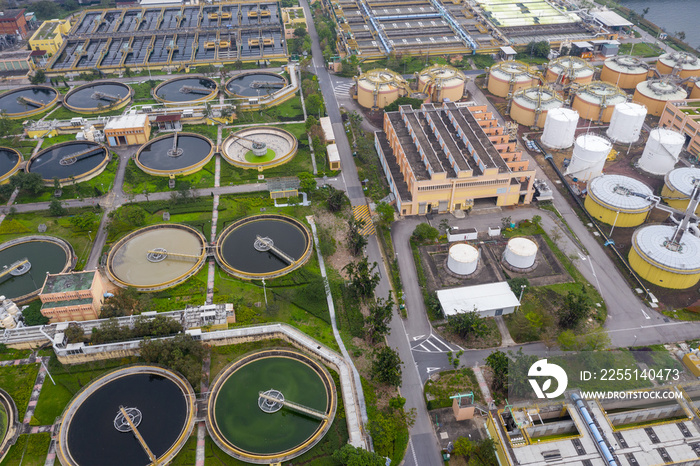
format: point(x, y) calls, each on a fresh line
point(444, 225)
point(56, 209)
point(577, 307)
point(680, 35)
point(335, 198)
point(645, 11)
point(181, 353)
point(300, 32)
point(425, 233)
point(126, 301)
point(386, 213)
point(377, 321)
point(517, 372)
point(74, 333)
point(356, 240)
point(386, 366)
point(85, 221)
point(307, 182)
point(498, 363)
point(517, 283)
point(538, 49)
point(467, 325)
point(568, 340)
point(39, 77)
point(5, 125)
point(363, 278)
point(29, 182)
point(33, 316)
point(311, 121)
point(353, 456)
point(314, 105)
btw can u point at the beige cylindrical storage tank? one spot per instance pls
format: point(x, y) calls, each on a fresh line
point(463, 259)
point(589, 156)
point(656, 258)
point(7, 321)
point(679, 185)
point(565, 70)
point(655, 93)
point(612, 199)
point(624, 71)
point(560, 128)
point(597, 100)
point(509, 76)
point(442, 82)
point(530, 106)
point(661, 152)
point(695, 92)
point(626, 122)
point(378, 88)
point(687, 65)
point(520, 253)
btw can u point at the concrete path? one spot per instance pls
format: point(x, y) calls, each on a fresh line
point(506, 339)
point(201, 427)
point(483, 386)
point(36, 391)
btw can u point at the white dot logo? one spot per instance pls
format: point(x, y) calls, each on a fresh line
point(541, 369)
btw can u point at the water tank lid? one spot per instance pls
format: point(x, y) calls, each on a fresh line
point(464, 253)
point(522, 246)
point(563, 114)
point(651, 241)
point(631, 108)
point(617, 191)
point(683, 179)
point(592, 142)
point(667, 136)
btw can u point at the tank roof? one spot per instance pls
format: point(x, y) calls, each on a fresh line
point(511, 69)
point(631, 108)
point(599, 92)
point(651, 241)
point(683, 179)
point(522, 246)
point(442, 72)
point(686, 60)
point(593, 142)
point(617, 191)
point(464, 252)
point(381, 78)
point(627, 64)
point(575, 67)
point(538, 96)
point(564, 114)
point(661, 90)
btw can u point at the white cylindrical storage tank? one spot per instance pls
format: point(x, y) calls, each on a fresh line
point(559, 128)
point(520, 253)
point(588, 158)
point(661, 152)
point(626, 122)
point(11, 307)
point(463, 259)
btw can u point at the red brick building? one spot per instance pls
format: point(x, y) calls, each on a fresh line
point(13, 22)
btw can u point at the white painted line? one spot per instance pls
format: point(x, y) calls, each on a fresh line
point(418, 337)
point(449, 348)
point(646, 316)
point(432, 369)
point(433, 345)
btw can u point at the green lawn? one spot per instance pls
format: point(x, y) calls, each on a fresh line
point(7, 354)
point(30, 450)
point(23, 146)
point(683, 314)
point(438, 392)
point(137, 181)
point(209, 131)
point(289, 110)
point(18, 381)
point(642, 49)
point(62, 113)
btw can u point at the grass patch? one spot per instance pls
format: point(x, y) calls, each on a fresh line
point(482, 61)
point(137, 181)
point(641, 49)
point(23, 146)
point(210, 131)
point(18, 381)
point(30, 450)
point(683, 314)
point(8, 354)
point(63, 113)
point(438, 392)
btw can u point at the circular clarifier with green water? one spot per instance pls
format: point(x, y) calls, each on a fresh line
point(244, 430)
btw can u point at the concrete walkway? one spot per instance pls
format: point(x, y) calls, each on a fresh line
point(483, 386)
point(357, 389)
point(506, 339)
point(201, 427)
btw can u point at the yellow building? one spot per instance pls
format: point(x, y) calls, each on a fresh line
point(442, 158)
point(49, 37)
point(292, 18)
point(684, 117)
point(127, 130)
point(72, 296)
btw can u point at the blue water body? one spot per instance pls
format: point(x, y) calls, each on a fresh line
point(671, 15)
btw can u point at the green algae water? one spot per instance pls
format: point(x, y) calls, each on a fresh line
point(247, 427)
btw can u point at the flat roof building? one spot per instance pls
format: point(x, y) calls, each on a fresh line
point(489, 300)
point(13, 22)
point(441, 158)
point(15, 62)
point(127, 130)
point(72, 296)
point(333, 157)
point(610, 19)
point(684, 116)
point(327, 128)
point(49, 36)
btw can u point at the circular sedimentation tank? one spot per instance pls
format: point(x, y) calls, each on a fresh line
point(612, 200)
point(263, 246)
point(10, 161)
point(442, 82)
point(379, 87)
point(27, 101)
point(624, 71)
point(156, 257)
point(255, 84)
point(596, 101)
point(529, 106)
point(175, 154)
point(70, 162)
point(509, 76)
point(189, 89)
point(686, 64)
point(159, 403)
point(463, 259)
point(679, 185)
point(654, 94)
point(259, 430)
point(97, 97)
point(520, 253)
point(9, 419)
point(664, 262)
point(566, 70)
point(45, 254)
point(260, 147)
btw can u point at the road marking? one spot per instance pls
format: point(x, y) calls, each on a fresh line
point(646, 316)
point(583, 258)
point(418, 337)
point(432, 369)
point(433, 345)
